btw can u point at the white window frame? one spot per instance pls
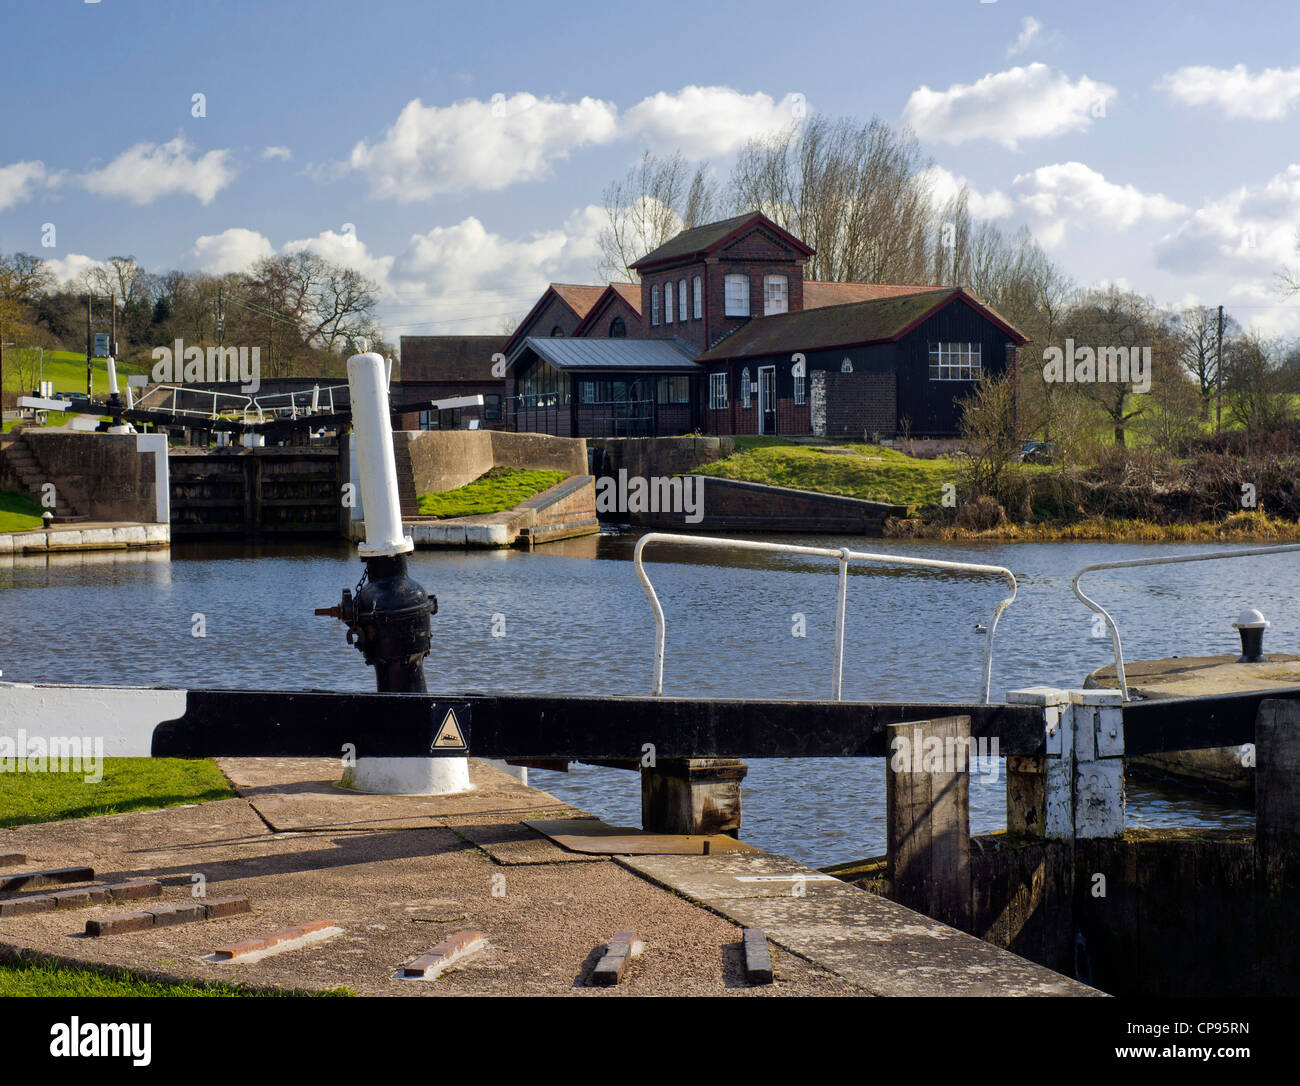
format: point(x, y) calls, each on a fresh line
point(668, 302)
point(744, 388)
point(800, 383)
point(846, 366)
point(654, 306)
point(681, 298)
point(739, 305)
point(699, 298)
point(951, 361)
point(717, 392)
point(769, 296)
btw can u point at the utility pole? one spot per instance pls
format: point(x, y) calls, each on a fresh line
point(1218, 380)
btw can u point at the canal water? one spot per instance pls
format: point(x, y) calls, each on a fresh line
point(571, 618)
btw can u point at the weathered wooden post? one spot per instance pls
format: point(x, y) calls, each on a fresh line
point(1030, 780)
point(692, 795)
point(1277, 847)
point(928, 795)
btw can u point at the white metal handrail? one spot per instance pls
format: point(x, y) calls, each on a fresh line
point(844, 555)
point(1160, 561)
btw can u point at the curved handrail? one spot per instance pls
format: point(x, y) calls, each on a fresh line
point(1164, 560)
point(844, 555)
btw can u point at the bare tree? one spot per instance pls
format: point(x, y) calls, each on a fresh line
point(658, 198)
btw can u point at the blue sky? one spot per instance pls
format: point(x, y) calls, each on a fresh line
point(1152, 144)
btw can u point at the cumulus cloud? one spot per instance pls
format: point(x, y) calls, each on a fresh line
point(1071, 194)
point(345, 248)
point(944, 185)
point(1264, 96)
point(19, 182)
point(277, 152)
point(474, 144)
point(232, 250)
point(147, 171)
point(1030, 29)
point(69, 270)
point(1251, 229)
point(703, 121)
point(1026, 103)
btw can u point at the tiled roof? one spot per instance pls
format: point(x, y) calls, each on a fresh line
point(578, 296)
point(610, 354)
point(630, 293)
point(449, 358)
point(874, 321)
point(703, 238)
point(817, 294)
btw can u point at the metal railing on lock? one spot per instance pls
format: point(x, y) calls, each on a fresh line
point(845, 556)
point(1093, 605)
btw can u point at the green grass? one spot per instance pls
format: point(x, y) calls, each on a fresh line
point(67, 369)
point(18, 513)
point(864, 471)
point(43, 978)
point(499, 489)
point(129, 784)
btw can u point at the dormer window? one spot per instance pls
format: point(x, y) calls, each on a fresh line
point(681, 298)
point(736, 302)
point(668, 303)
point(776, 295)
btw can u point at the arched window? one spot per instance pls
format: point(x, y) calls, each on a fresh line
point(557, 332)
point(744, 388)
point(617, 328)
point(681, 298)
point(846, 366)
point(654, 306)
point(737, 296)
point(699, 298)
point(668, 302)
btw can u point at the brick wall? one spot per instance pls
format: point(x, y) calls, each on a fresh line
point(856, 403)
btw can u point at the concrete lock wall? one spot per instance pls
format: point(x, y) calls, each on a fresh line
point(104, 476)
point(445, 459)
point(649, 457)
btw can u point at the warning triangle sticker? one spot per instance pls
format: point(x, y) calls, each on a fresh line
point(449, 734)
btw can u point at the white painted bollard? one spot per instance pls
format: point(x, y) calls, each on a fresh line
point(372, 434)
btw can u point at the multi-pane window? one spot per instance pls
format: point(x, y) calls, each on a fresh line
point(668, 303)
point(674, 390)
point(491, 407)
point(800, 382)
point(737, 296)
point(542, 386)
point(654, 305)
point(717, 392)
point(618, 328)
point(699, 298)
point(744, 388)
point(776, 294)
point(955, 362)
point(681, 298)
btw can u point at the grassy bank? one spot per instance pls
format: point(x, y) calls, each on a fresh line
point(494, 492)
point(1252, 527)
point(18, 513)
point(871, 472)
point(128, 784)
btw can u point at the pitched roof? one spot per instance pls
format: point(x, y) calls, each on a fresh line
point(856, 323)
point(706, 238)
point(449, 358)
point(817, 294)
point(629, 293)
point(610, 354)
point(579, 297)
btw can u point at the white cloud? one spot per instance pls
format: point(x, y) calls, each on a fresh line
point(20, 180)
point(281, 153)
point(1026, 103)
point(703, 121)
point(1071, 194)
point(68, 270)
point(1266, 96)
point(1030, 28)
point(232, 250)
point(944, 185)
point(147, 171)
point(347, 249)
point(474, 144)
point(1250, 230)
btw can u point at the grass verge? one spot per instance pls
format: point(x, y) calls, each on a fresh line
point(18, 513)
point(1244, 527)
point(128, 784)
point(497, 490)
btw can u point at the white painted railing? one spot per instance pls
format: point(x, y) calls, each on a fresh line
point(1160, 561)
point(844, 556)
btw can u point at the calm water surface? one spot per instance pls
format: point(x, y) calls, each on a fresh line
point(577, 622)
